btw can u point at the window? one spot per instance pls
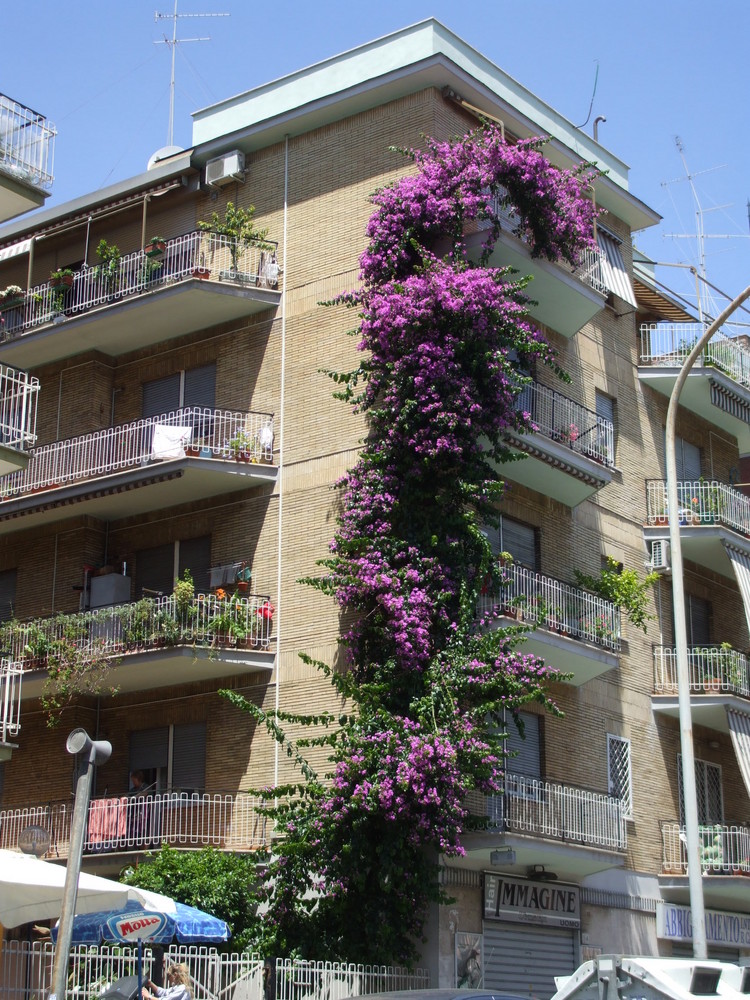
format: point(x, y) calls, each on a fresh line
point(527, 748)
point(517, 538)
point(708, 792)
point(619, 777)
point(605, 410)
point(193, 387)
point(157, 568)
point(170, 757)
point(7, 594)
point(698, 620)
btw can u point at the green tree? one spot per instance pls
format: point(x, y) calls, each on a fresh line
point(217, 882)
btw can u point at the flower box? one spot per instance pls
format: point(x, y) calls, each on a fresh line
point(155, 248)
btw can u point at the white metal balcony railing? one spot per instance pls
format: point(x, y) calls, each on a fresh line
point(26, 143)
point(223, 258)
point(19, 392)
point(575, 815)
point(588, 271)
point(557, 606)
point(563, 420)
point(10, 699)
point(724, 849)
point(229, 821)
point(669, 344)
point(712, 669)
point(243, 621)
point(701, 502)
point(206, 433)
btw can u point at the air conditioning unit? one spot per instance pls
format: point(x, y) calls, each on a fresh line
point(225, 169)
point(660, 555)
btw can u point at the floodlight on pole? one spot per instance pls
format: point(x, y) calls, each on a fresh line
point(98, 751)
point(692, 843)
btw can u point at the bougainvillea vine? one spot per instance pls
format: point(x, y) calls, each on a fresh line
point(444, 335)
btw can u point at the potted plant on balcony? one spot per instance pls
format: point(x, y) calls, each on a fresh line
point(61, 279)
point(239, 229)
point(108, 271)
point(155, 246)
point(241, 446)
point(623, 587)
point(712, 849)
point(12, 297)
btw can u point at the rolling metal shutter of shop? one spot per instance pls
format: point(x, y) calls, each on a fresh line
point(523, 959)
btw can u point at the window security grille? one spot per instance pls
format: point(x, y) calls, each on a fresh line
point(708, 792)
point(619, 774)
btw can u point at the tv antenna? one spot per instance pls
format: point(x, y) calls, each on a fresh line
point(174, 41)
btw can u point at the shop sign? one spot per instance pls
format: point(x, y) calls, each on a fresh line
point(528, 902)
point(675, 923)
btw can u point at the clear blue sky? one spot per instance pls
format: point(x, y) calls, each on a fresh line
point(666, 68)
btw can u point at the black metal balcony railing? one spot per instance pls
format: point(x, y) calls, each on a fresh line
point(194, 255)
point(208, 433)
point(566, 421)
point(556, 606)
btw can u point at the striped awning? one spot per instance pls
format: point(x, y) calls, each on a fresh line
point(614, 275)
point(739, 729)
point(15, 250)
point(741, 565)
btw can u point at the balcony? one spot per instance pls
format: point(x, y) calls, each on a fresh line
point(565, 298)
point(576, 632)
point(569, 456)
point(725, 863)
point(225, 821)
point(10, 705)
point(182, 456)
point(151, 643)
point(573, 831)
point(714, 522)
point(719, 679)
point(718, 386)
point(199, 280)
point(27, 142)
point(18, 401)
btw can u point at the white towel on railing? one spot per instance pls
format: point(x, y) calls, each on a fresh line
point(169, 442)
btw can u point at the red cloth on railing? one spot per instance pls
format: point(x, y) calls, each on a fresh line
point(107, 818)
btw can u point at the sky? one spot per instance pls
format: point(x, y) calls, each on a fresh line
point(669, 76)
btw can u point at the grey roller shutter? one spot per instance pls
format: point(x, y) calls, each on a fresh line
point(154, 571)
point(527, 749)
point(7, 594)
point(189, 757)
point(161, 395)
point(195, 555)
point(200, 387)
point(520, 540)
point(525, 960)
point(149, 749)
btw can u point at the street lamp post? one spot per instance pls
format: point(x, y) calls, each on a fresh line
point(692, 845)
point(99, 751)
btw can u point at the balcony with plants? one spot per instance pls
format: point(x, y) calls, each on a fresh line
point(719, 678)
point(126, 302)
point(572, 629)
point(226, 821)
point(189, 454)
point(717, 387)
point(724, 857)
point(151, 643)
point(576, 831)
point(565, 298)
point(27, 145)
point(711, 515)
point(19, 392)
point(571, 453)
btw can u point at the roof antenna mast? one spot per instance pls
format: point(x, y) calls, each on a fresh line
point(174, 41)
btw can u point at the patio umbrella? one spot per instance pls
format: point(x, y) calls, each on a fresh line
point(31, 889)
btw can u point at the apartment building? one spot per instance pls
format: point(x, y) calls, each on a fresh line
point(184, 424)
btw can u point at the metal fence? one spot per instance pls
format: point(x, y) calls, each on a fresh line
point(566, 421)
point(546, 809)
point(27, 143)
point(700, 502)
point(669, 344)
point(195, 254)
point(724, 849)
point(228, 821)
point(554, 605)
point(10, 699)
point(227, 434)
point(711, 669)
point(27, 973)
point(19, 392)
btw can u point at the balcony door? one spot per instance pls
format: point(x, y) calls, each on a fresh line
point(708, 792)
point(171, 757)
point(157, 568)
point(192, 387)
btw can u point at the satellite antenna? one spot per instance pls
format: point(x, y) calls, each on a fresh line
point(174, 41)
